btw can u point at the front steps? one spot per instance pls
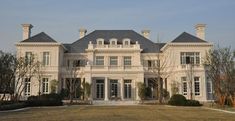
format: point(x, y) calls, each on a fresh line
point(113, 102)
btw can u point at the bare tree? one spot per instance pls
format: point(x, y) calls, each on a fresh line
point(162, 67)
point(72, 73)
point(220, 68)
point(7, 69)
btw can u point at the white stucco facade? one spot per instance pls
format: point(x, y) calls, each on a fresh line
point(114, 69)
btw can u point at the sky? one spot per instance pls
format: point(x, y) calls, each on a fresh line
point(166, 19)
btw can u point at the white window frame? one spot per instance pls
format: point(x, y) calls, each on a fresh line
point(113, 42)
point(28, 57)
point(194, 56)
point(46, 58)
point(197, 85)
point(127, 60)
point(100, 41)
point(113, 60)
point(126, 41)
point(184, 86)
point(27, 88)
point(45, 85)
point(99, 60)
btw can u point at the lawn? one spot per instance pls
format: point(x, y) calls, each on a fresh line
point(117, 113)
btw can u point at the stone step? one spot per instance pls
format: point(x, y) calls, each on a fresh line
point(102, 102)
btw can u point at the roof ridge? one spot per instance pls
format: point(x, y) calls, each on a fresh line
point(40, 37)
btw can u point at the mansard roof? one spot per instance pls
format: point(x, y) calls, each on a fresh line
point(80, 45)
point(41, 37)
point(187, 38)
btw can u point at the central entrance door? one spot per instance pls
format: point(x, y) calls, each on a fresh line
point(127, 89)
point(100, 89)
point(113, 88)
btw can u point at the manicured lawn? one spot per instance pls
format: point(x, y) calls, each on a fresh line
point(117, 113)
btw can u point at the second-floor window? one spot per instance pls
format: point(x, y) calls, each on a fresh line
point(28, 57)
point(127, 60)
point(79, 63)
point(46, 58)
point(191, 57)
point(113, 61)
point(99, 60)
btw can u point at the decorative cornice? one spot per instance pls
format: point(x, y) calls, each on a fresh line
point(37, 44)
point(186, 45)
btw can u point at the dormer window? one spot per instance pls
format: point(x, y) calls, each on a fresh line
point(126, 41)
point(113, 41)
point(100, 41)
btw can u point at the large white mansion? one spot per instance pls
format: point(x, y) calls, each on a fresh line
point(114, 61)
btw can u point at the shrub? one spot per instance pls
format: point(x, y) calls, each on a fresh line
point(193, 103)
point(45, 100)
point(177, 100)
point(180, 100)
point(141, 90)
point(64, 93)
point(148, 92)
point(12, 106)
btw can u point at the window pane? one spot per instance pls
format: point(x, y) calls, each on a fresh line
point(196, 85)
point(99, 60)
point(113, 60)
point(127, 61)
point(46, 58)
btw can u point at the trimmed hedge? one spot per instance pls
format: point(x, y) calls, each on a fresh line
point(180, 100)
point(12, 106)
point(45, 100)
point(177, 100)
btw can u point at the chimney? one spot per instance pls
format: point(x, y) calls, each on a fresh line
point(145, 33)
point(26, 30)
point(200, 31)
point(82, 33)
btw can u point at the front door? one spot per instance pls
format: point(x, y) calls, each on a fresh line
point(100, 89)
point(127, 89)
point(113, 88)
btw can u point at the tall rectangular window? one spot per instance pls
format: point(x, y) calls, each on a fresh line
point(79, 63)
point(27, 87)
point(197, 85)
point(45, 86)
point(28, 57)
point(184, 85)
point(194, 57)
point(127, 60)
point(99, 60)
point(113, 61)
point(46, 58)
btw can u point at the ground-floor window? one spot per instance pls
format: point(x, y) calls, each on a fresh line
point(45, 86)
point(197, 85)
point(209, 86)
point(184, 85)
point(113, 88)
point(27, 87)
point(127, 89)
point(99, 89)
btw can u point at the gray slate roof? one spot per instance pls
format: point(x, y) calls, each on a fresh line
point(80, 45)
point(188, 38)
point(41, 37)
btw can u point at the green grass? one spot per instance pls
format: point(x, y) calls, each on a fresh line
point(117, 113)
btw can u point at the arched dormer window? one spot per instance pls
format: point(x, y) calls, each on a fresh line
point(126, 41)
point(113, 41)
point(100, 41)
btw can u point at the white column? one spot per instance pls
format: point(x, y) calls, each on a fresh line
point(106, 89)
point(122, 88)
point(137, 90)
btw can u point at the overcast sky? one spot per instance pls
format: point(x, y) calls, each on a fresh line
point(166, 18)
